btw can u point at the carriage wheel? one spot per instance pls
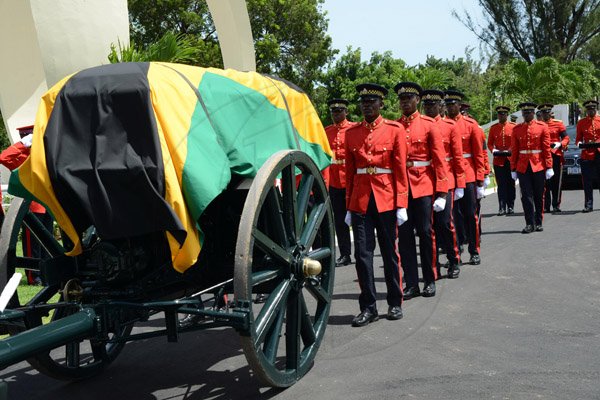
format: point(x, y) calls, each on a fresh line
point(76, 360)
point(285, 249)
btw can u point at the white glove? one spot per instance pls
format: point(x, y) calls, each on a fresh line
point(495, 151)
point(549, 173)
point(480, 192)
point(439, 204)
point(27, 140)
point(401, 216)
point(513, 175)
point(348, 218)
point(486, 181)
point(459, 193)
point(556, 145)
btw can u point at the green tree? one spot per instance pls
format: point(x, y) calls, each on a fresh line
point(546, 80)
point(168, 48)
point(532, 29)
point(290, 36)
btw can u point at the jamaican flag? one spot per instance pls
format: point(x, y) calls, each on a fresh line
point(135, 148)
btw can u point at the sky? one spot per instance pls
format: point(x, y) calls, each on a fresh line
point(411, 29)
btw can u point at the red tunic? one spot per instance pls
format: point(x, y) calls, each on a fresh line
point(455, 169)
point(555, 128)
point(499, 138)
point(12, 157)
point(379, 144)
point(530, 146)
point(336, 134)
point(472, 149)
point(588, 130)
point(424, 143)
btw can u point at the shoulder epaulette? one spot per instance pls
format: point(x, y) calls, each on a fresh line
point(390, 122)
point(426, 118)
point(449, 121)
point(471, 121)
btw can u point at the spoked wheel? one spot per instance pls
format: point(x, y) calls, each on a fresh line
point(285, 249)
point(76, 360)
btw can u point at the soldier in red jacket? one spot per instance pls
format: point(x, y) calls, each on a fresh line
point(336, 134)
point(465, 211)
point(530, 157)
point(588, 131)
point(499, 141)
point(452, 142)
point(376, 198)
point(428, 188)
point(559, 140)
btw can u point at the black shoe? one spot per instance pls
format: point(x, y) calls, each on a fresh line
point(190, 320)
point(475, 259)
point(501, 212)
point(343, 260)
point(556, 210)
point(527, 229)
point(453, 272)
point(546, 211)
point(510, 211)
point(539, 228)
point(394, 313)
point(587, 210)
point(364, 318)
point(411, 292)
point(429, 290)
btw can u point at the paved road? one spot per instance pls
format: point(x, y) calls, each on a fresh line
point(525, 324)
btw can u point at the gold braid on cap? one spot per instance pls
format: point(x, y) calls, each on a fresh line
point(374, 92)
point(502, 109)
point(337, 105)
point(408, 89)
point(430, 96)
point(453, 97)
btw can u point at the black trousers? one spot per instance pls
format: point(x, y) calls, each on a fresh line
point(506, 186)
point(342, 231)
point(532, 195)
point(363, 227)
point(466, 220)
point(420, 218)
point(445, 232)
point(590, 171)
point(553, 189)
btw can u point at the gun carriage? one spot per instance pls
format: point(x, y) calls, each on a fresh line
point(116, 149)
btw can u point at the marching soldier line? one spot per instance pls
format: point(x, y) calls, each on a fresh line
point(426, 174)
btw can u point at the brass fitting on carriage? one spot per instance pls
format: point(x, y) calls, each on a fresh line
point(311, 267)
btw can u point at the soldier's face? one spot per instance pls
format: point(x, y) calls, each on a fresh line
point(591, 111)
point(528, 115)
point(431, 109)
point(502, 117)
point(408, 103)
point(338, 114)
point(453, 109)
point(546, 115)
point(370, 107)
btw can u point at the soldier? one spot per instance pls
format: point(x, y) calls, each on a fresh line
point(465, 212)
point(376, 198)
point(336, 134)
point(426, 178)
point(559, 140)
point(499, 142)
point(530, 149)
point(588, 131)
point(443, 220)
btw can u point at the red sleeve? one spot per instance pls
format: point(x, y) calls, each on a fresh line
point(438, 157)
point(13, 156)
point(457, 158)
point(477, 152)
point(546, 153)
point(399, 167)
point(350, 171)
point(566, 139)
point(514, 148)
point(491, 139)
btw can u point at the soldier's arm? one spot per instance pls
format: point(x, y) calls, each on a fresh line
point(457, 158)
point(399, 167)
point(546, 153)
point(350, 171)
point(438, 157)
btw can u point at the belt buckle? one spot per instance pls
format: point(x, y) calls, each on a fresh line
point(409, 164)
point(371, 170)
